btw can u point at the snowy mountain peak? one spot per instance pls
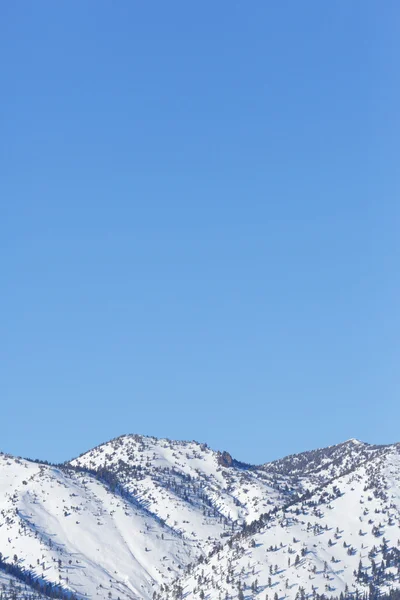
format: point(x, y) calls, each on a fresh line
point(355, 441)
point(146, 518)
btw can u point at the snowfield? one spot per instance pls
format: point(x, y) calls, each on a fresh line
point(68, 528)
point(144, 518)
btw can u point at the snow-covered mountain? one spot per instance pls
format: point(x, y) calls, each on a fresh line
point(343, 538)
point(141, 517)
point(200, 494)
point(66, 527)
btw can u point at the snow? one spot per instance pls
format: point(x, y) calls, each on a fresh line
point(103, 542)
point(12, 588)
point(168, 504)
point(250, 558)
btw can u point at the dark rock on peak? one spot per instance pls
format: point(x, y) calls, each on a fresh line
point(225, 459)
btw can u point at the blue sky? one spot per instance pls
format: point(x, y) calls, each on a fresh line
point(199, 224)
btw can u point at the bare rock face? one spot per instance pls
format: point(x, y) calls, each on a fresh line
point(225, 459)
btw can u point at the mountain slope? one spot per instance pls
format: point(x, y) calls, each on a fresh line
point(68, 528)
point(315, 546)
point(140, 517)
point(201, 494)
point(11, 589)
point(316, 467)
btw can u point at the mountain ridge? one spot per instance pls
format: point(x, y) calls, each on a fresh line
point(143, 516)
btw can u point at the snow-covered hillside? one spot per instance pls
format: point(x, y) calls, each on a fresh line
point(201, 494)
point(316, 467)
point(344, 538)
point(68, 528)
point(144, 518)
point(13, 589)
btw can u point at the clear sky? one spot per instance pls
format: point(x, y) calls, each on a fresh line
point(199, 224)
